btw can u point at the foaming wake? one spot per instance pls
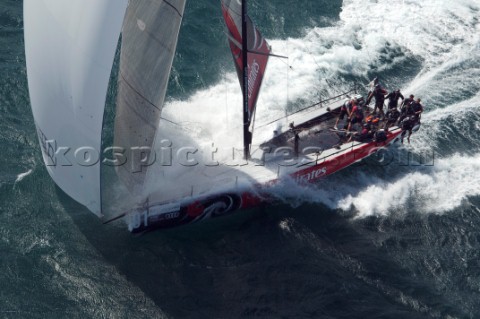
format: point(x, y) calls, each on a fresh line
point(443, 36)
point(429, 189)
point(437, 125)
point(438, 189)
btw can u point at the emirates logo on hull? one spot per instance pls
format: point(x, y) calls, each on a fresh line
point(313, 175)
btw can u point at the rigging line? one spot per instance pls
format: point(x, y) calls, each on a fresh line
point(115, 219)
point(330, 85)
point(170, 121)
point(281, 57)
point(314, 60)
point(226, 99)
point(289, 67)
point(238, 45)
point(268, 54)
point(285, 62)
point(308, 107)
point(319, 67)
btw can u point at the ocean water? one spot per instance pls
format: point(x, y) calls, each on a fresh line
point(395, 236)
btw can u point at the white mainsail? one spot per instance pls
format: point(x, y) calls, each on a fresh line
point(70, 47)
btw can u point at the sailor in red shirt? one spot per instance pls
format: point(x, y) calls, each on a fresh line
point(356, 116)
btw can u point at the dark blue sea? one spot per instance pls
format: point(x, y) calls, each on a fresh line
point(395, 236)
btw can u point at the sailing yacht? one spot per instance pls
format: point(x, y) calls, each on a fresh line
point(68, 107)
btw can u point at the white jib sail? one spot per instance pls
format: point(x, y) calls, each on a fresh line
point(149, 40)
point(70, 47)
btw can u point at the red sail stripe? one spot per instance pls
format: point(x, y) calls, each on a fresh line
point(258, 55)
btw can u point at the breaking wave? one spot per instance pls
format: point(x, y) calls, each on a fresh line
point(426, 48)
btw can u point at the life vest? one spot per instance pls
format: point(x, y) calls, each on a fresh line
point(358, 112)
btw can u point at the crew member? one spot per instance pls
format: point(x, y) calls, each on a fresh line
point(297, 142)
point(407, 126)
point(345, 109)
point(379, 94)
point(392, 117)
point(417, 110)
point(393, 98)
point(356, 116)
point(405, 109)
point(296, 139)
point(372, 88)
point(364, 135)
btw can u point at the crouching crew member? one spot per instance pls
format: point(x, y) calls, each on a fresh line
point(356, 116)
point(345, 109)
point(392, 117)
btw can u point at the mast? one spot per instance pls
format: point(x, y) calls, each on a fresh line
point(247, 136)
point(250, 53)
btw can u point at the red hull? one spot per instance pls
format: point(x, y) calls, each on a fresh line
point(194, 210)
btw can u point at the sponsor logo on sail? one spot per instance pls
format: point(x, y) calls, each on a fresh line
point(254, 70)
